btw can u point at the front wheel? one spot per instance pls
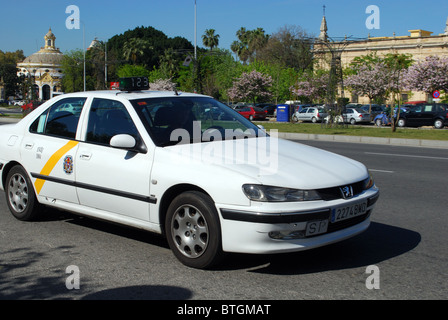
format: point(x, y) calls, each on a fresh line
point(193, 230)
point(401, 123)
point(20, 195)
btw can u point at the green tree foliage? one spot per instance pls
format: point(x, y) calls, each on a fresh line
point(210, 39)
point(130, 70)
point(248, 43)
point(8, 71)
point(135, 50)
point(155, 41)
point(290, 46)
point(73, 69)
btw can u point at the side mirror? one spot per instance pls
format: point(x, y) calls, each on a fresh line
point(127, 142)
point(123, 141)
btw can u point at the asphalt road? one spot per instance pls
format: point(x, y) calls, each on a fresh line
point(405, 245)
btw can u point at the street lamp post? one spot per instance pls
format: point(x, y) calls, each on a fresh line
point(83, 49)
point(195, 30)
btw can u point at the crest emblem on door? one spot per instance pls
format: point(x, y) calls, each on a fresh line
point(68, 164)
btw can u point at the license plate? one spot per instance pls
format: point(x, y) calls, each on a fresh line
point(347, 212)
point(316, 227)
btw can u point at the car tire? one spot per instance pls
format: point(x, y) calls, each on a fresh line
point(294, 118)
point(314, 120)
point(352, 121)
point(378, 122)
point(401, 122)
point(193, 230)
point(251, 117)
point(20, 196)
point(439, 124)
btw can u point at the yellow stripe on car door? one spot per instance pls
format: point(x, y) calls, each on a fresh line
point(51, 163)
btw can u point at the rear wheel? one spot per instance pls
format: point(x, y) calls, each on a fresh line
point(20, 195)
point(193, 230)
point(439, 124)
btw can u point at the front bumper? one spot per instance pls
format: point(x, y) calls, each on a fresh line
point(251, 231)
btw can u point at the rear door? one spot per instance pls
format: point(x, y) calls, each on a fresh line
point(48, 151)
point(427, 115)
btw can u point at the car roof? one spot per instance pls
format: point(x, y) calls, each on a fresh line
point(134, 95)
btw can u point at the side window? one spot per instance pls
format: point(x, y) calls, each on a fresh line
point(108, 118)
point(61, 119)
point(428, 108)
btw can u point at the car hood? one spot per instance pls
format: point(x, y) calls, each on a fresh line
point(273, 161)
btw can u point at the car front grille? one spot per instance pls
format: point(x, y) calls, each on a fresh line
point(335, 193)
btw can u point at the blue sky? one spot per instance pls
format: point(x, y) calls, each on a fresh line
point(24, 23)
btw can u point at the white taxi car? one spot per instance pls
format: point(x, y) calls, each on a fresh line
point(183, 165)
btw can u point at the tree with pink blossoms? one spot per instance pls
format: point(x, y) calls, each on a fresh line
point(428, 75)
point(312, 86)
point(162, 85)
point(251, 86)
point(372, 81)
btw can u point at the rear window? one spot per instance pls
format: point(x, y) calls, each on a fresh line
point(440, 108)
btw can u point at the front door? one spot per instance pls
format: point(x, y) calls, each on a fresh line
point(114, 180)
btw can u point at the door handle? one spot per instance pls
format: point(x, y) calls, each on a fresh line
point(85, 156)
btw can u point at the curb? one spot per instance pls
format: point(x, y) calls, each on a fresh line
point(370, 140)
point(341, 138)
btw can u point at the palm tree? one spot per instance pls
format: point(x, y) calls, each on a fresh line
point(168, 63)
point(134, 48)
point(210, 39)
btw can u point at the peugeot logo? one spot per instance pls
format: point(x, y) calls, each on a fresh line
point(347, 192)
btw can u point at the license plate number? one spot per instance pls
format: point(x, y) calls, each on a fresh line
point(347, 212)
point(316, 227)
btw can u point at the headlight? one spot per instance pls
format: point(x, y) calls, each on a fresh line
point(368, 183)
point(257, 192)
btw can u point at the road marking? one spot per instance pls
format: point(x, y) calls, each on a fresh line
point(406, 155)
point(384, 171)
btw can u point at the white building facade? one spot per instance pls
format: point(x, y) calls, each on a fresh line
point(44, 69)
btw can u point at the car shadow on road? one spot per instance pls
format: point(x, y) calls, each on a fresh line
point(52, 214)
point(378, 243)
point(144, 292)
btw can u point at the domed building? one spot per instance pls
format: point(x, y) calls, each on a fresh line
point(44, 69)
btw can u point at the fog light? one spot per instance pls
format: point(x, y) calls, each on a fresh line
point(287, 235)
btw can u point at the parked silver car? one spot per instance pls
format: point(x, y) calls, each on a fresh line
point(356, 115)
point(313, 114)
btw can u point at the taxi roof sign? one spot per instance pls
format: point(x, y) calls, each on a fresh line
point(134, 84)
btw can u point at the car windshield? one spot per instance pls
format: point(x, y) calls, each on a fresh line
point(176, 120)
